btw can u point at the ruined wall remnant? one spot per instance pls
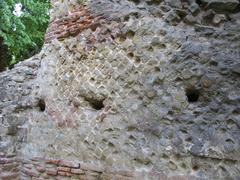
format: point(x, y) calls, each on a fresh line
point(130, 89)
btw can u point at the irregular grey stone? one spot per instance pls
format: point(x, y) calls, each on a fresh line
point(194, 8)
point(218, 18)
point(236, 68)
point(221, 5)
point(174, 3)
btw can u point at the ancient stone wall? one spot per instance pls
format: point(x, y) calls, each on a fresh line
point(16, 86)
point(140, 89)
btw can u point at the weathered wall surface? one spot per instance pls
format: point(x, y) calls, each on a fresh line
point(144, 89)
point(16, 87)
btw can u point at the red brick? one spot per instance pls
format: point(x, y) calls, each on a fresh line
point(40, 169)
point(52, 161)
point(69, 164)
point(71, 24)
point(62, 173)
point(52, 172)
point(36, 159)
point(65, 169)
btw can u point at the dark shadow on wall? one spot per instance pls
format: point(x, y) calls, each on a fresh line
point(3, 56)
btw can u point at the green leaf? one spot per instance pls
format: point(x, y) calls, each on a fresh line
point(23, 34)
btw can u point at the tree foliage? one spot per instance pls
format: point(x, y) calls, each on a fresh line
point(23, 35)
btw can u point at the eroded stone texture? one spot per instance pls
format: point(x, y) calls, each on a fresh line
point(152, 92)
point(16, 89)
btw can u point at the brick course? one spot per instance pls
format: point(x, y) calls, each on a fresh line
point(9, 167)
point(72, 24)
point(12, 168)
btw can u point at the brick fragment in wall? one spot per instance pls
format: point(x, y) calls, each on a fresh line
point(63, 173)
point(41, 169)
point(37, 168)
point(9, 167)
point(72, 24)
point(64, 169)
point(52, 161)
point(52, 172)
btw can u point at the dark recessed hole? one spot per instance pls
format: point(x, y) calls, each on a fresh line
point(122, 38)
point(213, 63)
point(230, 122)
point(130, 55)
point(136, 1)
point(150, 49)
point(131, 137)
point(184, 131)
point(223, 130)
point(136, 15)
point(12, 130)
point(41, 105)
point(137, 60)
point(113, 37)
point(195, 167)
point(93, 27)
point(126, 18)
point(192, 94)
point(178, 79)
point(230, 141)
point(199, 2)
point(236, 111)
point(188, 139)
point(95, 103)
point(156, 2)
point(165, 156)
point(157, 69)
point(111, 144)
point(98, 105)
